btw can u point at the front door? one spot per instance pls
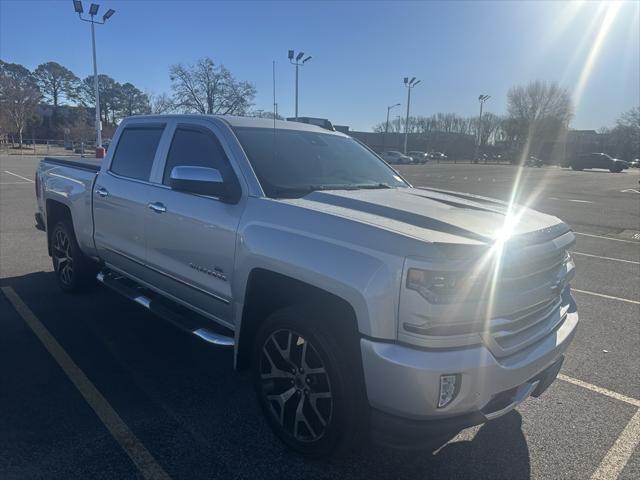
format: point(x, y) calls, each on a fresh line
point(191, 239)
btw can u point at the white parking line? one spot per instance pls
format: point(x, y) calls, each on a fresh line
point(605, 258)
point(19, 176)
point(619, 454)
point(15, 183)
point(602, 391)
point(606, 238)
point(605, 296)
point(133, 447)
point(570, 200)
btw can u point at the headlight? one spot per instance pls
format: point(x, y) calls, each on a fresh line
point(436, 287)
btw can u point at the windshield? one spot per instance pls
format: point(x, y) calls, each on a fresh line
point(292, 163)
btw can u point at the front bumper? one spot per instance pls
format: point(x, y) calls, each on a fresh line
point(403, 382)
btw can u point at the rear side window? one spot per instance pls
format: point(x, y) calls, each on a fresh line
point(135, 152)
point(196, 147)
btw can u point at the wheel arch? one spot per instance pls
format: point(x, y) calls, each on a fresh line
point(268, 291)
point(56, 211)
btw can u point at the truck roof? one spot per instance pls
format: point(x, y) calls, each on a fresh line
point(253, 122)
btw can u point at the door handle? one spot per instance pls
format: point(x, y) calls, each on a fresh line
point(157, 207)
point(102, 192)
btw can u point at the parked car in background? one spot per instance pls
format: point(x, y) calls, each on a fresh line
point(418, 157)
point(635, 163)
point(437, 156)
point(396, 158)
point(533, 162)
point(597, 160)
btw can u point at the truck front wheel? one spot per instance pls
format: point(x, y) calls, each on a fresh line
point(74, 271)
point(306, 382)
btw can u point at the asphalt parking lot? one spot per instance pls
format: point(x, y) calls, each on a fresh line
point(180, 406)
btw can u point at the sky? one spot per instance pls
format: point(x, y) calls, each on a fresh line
point(361, 51)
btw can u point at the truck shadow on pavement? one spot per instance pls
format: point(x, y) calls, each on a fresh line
point(199, 418)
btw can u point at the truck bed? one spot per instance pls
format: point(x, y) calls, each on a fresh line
point(92, 164)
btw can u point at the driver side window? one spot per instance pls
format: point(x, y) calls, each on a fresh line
point(196, 147)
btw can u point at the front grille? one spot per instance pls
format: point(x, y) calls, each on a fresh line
point(507, 335)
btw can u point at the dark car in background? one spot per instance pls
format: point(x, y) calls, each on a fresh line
point(439, 156)
point(533, 162)
point(418, 157)
point(597, 160)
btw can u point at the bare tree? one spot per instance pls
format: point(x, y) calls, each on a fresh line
point(490, 125)
point(19, 95)
point(207, 88)
point(539, 113)
point(625, 136)
point(160, 104)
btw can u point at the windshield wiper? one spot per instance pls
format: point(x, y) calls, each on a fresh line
point(371, 186)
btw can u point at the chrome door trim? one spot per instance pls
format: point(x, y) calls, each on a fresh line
point(204, 313)
point(157, 207)
point(179, 280)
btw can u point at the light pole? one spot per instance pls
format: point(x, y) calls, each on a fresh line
point(481, 99)
point(409, 84)
point(93, 11)
point(386, 127)
point(297, 63)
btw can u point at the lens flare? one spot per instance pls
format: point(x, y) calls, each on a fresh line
point(611, 10)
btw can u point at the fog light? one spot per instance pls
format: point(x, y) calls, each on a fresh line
point(449, 387)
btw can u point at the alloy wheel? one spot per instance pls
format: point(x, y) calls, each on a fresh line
point(63, 257)
point(295, 386)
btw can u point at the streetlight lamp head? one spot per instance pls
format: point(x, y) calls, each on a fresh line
point(412, 80)
point(93, 9)
point(290, 54)
point(300, 55)
point(417, 83)
point(108, 15)
point(77, 6)
point(306, 59)
point(406, 80)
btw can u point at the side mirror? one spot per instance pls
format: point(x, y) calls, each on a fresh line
point(200, 180)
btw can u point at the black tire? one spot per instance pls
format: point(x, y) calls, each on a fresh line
point(615, 170)
point(576, 168)
point(74, 271)
point(331, 400)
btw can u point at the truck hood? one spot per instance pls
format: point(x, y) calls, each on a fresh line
point(435, 215)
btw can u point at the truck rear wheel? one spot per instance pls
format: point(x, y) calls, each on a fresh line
point(74, 271)
point(307, 384)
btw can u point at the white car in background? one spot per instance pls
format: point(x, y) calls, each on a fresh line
point(395, 157)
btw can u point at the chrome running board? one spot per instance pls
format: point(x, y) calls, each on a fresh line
point(188, 321)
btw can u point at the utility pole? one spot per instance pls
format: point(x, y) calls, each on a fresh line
point(298, 64)
point(481, 99)
point(409, 84)
point(93, 11)
point(386, 127)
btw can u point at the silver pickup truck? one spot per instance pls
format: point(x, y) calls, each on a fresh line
point(364, 307)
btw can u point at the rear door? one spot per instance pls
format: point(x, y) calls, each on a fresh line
point(120, 197)
point(191, 239)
